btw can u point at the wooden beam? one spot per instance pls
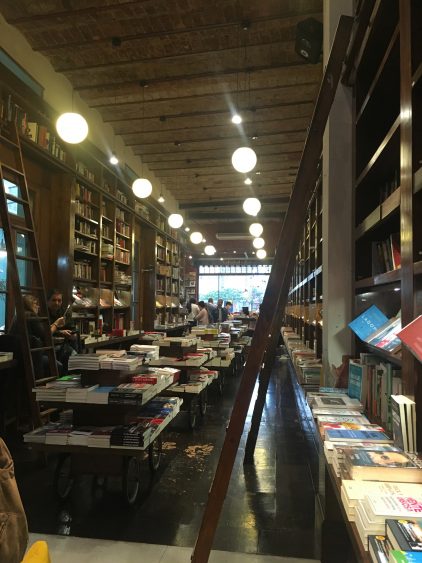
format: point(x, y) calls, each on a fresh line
point(288, 241)
point(206, 217)
point(225, 203)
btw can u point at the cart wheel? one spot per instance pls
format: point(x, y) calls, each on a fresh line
point(192, 411)
point(63, 480)
point(131, 480)
point(154, 453)
point(203, 400)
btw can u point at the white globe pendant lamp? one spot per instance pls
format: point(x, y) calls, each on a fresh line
point(251, 206)
point(196, 237)
point(244, 159)
point(258, 242)
point(256, 229)
point(72, 127)
point(261, 253)
point(142, 188)
point(175, 220)
point(210, 250)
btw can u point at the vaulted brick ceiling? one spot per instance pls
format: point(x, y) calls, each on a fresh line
point(166, 74)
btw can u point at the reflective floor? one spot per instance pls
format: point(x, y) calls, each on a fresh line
point(269, 508)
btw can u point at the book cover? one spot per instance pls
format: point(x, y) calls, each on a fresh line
point(404, 535)
point(386, 337)
point(381, 507)
point(397, 556)
point(378, 548)
point(411, 336)
point(373, 465)
point(358, 380)
point(368, 322)
point(335, 435)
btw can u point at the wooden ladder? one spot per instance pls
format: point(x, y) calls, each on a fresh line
point(23, 258)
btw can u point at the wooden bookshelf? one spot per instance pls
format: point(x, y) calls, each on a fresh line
point(304, 310)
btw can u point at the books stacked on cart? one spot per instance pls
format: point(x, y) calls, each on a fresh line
point(224, 358)
point(203, 374)
point(57, 390)
point(135, 394)
point(146, 351)
point(194, 387)
point(84, 361)
point(187, 360)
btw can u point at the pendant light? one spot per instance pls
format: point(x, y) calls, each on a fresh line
point(175, 220)
point(258, 242)
point(244, 159)
point(142, 187)
point(251, 206)
point(72, 128)
point(196, 237)
point(210, 250)
point(256, 229)
point(261, 253)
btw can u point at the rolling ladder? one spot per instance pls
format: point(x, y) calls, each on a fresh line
point(23, 266)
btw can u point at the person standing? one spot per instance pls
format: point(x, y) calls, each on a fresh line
point(220, 312)
point(202, 317)
point(211, 309)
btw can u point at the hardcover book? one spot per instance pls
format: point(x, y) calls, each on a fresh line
point(411, 336)
point(404, 534)
point(368, 322)
point(397, 556)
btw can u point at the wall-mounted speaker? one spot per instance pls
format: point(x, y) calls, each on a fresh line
point(309, 40)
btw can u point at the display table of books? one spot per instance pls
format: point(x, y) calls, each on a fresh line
point(111, 420)
point(370, 476)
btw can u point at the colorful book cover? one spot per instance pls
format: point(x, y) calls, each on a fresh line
point(411, 336)
point(334, 435)
point(404, 534)
point(368, 322)
point(397, 556)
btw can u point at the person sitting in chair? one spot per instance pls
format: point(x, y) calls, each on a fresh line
point(61, 327)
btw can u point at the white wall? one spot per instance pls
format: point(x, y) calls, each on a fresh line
point(58, 94)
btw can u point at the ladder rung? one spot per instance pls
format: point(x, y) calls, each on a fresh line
point(8, 141)
point(28, 258)
point(16, 200)
point(24, 229)
point(29, 288)
point(47, 412)
point(42, 349)
point(44, 380)
point(11, 169)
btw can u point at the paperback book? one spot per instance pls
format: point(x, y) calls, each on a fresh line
point(404, 534)
point(373, 465)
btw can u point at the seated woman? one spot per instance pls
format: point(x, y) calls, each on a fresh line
point(36, 334)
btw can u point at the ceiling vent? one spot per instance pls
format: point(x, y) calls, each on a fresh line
point(233, 236)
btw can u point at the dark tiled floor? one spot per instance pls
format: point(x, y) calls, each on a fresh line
point(269, 507)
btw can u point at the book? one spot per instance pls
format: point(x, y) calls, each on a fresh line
point(404, 534)
point(378, 548)
point(376, 436)
point(411, 336)
point(373, 465)
point(381, 507)
point(386, 337)
point(358, 380)
point(338, 402)
point(404, 422)
point(397, 556)
point(368, 322)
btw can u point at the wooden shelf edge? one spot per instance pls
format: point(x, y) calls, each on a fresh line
point(379, 214)
point(380, 279)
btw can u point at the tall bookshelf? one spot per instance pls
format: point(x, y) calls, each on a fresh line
point(388, 149)
point(86, 217)
point(304, 308)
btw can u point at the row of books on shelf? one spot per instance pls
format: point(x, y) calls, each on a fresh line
point(374, 328)
point(138, 433)
point(386, 254)
point(380, 481)
point(102, 297)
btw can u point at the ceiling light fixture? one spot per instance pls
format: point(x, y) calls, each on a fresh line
point(236, 119)
point(210, 250)
point(248, 181)
point(113, 159)
point(196, 237)
point(161, 199)
point(175, 220)
point(142, 187)
point(256, 229)
point(187, 229)
point(251, 206)
point(244, 159)
point(261, 253)
point(258, 242)
point(72, 128)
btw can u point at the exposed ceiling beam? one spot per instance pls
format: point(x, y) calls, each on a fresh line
point(199, 217)
point(231, 202)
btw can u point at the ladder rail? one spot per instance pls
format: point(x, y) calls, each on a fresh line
point(36, 276)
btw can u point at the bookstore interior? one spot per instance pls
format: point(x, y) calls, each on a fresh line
point(211, 281)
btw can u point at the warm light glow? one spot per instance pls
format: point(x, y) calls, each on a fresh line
point(248, 181)
point(114, 160)
point(72, 127)
point(210, 250)
point(256, 229)
point(244, 159)
point(142, 188)
point(196, 237)
point(175, 220)
point(261, 253)
point(236, 119)
point(251, 206)
point(187, 229)
point(161, 199)
point(258, 242)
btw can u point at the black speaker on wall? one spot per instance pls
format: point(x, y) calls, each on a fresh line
point(309, 40)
